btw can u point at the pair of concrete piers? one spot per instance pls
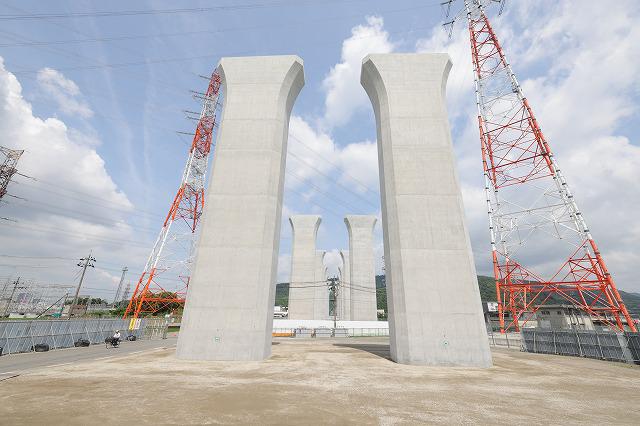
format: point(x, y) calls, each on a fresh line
point(308, 293)
point(435, 316)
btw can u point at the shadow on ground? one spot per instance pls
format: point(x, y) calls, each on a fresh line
point(381, 350)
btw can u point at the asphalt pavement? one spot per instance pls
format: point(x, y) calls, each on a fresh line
point(16, 364)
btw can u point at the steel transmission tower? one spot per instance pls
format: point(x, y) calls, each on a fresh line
point(166, 275)
point(8, 167)
point(533, 215)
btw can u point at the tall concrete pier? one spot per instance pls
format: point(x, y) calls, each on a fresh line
point(362, 282)
point(435, 315)
point(344, 295)
point(229, 309)
point(321, 297)
point(302, 293)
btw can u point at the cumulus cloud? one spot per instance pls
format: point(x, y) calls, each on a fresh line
point(64, 92)
point(578, 67)
point(344, 95)
point(72, 207)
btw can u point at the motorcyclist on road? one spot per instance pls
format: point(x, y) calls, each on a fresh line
point(116, 338)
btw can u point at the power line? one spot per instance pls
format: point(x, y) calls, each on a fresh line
point(88, 218)
point(318, 171)
point(78, 235)
point(108, 204)
point(322, 157)
point(279, 25)
point(103, 14)
point(316, 189)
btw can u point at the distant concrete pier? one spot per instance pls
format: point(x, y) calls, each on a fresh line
point(229, 309)
point(321, 298)
point(362, 282)
point(344, 295)
point(435, 315)
point(302, 292)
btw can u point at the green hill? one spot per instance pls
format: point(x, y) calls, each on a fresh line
point(487, 294)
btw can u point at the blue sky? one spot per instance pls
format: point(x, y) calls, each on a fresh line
point(96, 103)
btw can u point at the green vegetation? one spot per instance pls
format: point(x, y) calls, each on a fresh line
point(486, 285)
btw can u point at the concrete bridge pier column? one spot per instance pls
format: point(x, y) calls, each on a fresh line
point(228, 314)
point(435, 315)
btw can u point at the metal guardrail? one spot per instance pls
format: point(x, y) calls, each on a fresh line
point(620, 347)
point(22, 335)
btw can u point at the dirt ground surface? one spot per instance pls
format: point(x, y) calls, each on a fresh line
point(337, 381)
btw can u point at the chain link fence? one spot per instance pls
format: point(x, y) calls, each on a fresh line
point(23, 336)
point(620, 347)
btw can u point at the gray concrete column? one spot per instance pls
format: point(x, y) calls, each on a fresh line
point(321, 298)
point(435, 315)
point(362, 282)
point(229, 309)
point(344, 297)
point(302, 293)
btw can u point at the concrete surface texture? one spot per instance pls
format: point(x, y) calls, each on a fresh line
point(328, 381)
point(435, 315)
point(302, 293)
point(362, 269)
point(229, 309)
point(321, 296)
point(344, 295)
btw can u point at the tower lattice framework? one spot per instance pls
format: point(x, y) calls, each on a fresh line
point(8, 167)
point(533, 216)
point(165, 279)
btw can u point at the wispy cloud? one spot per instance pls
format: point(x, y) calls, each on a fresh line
point(64, 92)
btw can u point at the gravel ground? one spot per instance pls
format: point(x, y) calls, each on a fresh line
point(333, 381)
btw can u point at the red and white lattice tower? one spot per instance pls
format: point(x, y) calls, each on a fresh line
point(533, 216)
point(166, 275)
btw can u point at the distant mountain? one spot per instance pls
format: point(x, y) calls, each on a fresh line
point(632, 302)
point(487, 294)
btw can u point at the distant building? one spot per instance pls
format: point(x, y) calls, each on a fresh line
point(551, 317)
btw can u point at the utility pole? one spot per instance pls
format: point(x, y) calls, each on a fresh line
point(334, 285)
point(84, 263)
point(124, 272)
point(15, 287)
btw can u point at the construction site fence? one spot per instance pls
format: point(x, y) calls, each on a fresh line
point(508, 340)
point(609, 346)
point(23, 335)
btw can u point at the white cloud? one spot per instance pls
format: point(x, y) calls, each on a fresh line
point(73, 207)
point(578, 67)
point(359, 163)
point(284, 267)
point(64, 92)
point(332, 261)
point(344, 95)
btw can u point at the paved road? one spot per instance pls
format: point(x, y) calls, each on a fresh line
point(10, 365)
